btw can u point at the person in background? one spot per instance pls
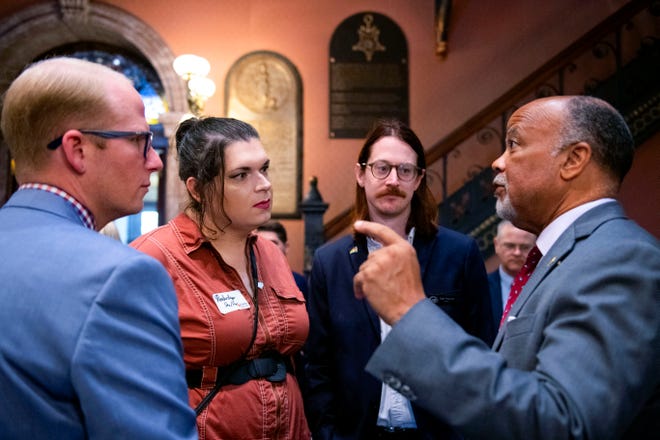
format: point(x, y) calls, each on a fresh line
point(578, 355)
point(391, 188)
point(90, 344)
point(275, 232)
point(511, 247)
point(242, 316)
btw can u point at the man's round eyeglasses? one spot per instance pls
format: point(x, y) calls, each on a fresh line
point(138, 135)
point(406, 172)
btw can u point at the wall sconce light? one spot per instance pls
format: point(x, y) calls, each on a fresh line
point(193, 69)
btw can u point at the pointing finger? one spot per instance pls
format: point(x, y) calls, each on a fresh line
point(382, 234)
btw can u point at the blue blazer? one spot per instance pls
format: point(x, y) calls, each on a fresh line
point(341, 399)
point(90, 344)
point(580, 357)
point(301, 282)
point(495, 287)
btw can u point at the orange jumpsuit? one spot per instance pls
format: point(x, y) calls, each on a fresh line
point(213, 336)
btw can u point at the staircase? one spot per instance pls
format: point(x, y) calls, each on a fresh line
point(618, 60)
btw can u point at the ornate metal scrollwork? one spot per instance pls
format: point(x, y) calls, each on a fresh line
point(545, 90)
point(487, 134)
point(603, 49)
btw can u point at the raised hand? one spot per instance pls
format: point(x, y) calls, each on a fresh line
point(390, 278)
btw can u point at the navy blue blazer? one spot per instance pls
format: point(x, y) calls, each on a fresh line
point(495, 285)
point(341, 399)
point(301, 282)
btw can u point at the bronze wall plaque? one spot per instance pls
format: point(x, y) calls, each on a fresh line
point(264, 89)
point(368, 74)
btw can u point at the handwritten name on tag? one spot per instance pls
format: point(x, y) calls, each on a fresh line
point(228, 302)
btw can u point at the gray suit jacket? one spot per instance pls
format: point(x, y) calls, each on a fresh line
point(581, 359)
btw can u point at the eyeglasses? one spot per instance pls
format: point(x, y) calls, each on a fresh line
point(138, 135)
point(524, 248)
point(406, 172)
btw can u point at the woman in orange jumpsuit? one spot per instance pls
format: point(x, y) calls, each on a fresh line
point(242, 317)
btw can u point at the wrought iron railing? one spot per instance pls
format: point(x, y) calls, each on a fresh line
point(592, 65)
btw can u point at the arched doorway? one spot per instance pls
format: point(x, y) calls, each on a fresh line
point(63, 27)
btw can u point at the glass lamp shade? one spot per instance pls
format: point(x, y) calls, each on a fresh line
point(201, 87)
point(189, 65)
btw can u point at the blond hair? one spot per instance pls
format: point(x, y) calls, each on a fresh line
point(48, 98)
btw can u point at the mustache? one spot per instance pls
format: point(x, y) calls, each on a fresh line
point(392, 191)
point(500, 180)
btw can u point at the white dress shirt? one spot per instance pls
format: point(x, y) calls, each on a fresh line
point(395, 410)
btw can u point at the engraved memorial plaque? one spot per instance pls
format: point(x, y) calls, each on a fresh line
point(264, 89)
point(368, 74)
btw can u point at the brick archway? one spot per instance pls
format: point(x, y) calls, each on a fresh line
point(35, 30)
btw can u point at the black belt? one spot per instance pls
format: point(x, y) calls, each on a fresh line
point(272, 367)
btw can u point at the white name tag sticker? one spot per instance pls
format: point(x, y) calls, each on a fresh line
point(228, 302)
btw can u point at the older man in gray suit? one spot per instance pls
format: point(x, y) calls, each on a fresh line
point(578, 355)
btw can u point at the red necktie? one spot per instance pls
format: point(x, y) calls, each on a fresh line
point(521, 279)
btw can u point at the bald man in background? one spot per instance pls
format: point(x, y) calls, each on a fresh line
point(511, 247)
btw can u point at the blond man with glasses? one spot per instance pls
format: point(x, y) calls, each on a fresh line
point(90, 344)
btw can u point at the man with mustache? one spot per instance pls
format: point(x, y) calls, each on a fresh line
point(342, 400)
point(578, 354)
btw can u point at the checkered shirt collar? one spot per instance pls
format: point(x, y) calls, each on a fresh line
point(85, 216)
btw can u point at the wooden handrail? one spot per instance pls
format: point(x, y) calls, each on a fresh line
point(513, 96)
point(530, 83)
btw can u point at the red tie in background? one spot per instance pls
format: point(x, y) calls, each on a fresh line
point(521, 279)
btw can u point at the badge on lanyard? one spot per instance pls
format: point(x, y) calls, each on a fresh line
point(228, 302)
